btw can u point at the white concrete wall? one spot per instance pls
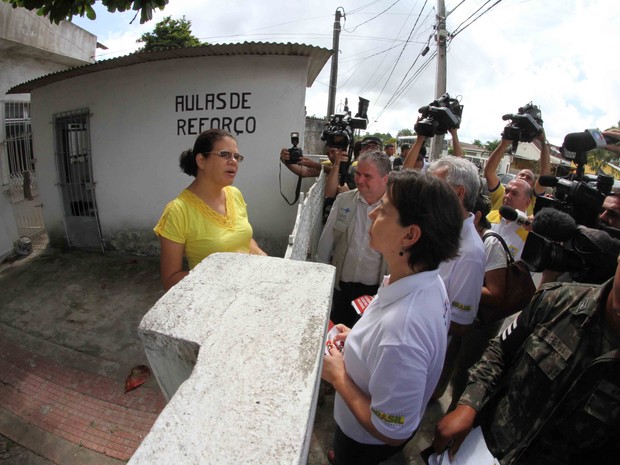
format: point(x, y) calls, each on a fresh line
point(254, 327)
point(24, 32)
point(136, 142)
point(30, 46)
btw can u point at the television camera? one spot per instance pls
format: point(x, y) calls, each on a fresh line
point(439, 116)
point(524, 126)
point(338, 132)
point(566, 234)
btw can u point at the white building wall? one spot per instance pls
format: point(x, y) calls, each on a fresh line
point(30, 46)
point(136, 141)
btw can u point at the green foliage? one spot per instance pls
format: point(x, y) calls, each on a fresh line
point(478, 142)
point(598, 158)
point(58, 10)
point(491, 145)
point(169, 33)
point(385, 138)
point(405, 132)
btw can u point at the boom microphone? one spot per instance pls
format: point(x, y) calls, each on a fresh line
point(554, 225)
point(512, 214)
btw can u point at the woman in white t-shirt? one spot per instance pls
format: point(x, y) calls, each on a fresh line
point(394, 354)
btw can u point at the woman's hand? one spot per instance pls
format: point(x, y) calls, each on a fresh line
point(333, 365)
point(342, 334)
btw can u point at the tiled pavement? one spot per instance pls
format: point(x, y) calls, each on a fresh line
point(84, 409)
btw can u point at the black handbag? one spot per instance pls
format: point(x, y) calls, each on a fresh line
point(520, 288)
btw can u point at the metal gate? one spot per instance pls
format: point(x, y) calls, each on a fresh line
point(20, 182)
point(75, 175)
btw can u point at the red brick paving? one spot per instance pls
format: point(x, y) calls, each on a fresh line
point(88, 410)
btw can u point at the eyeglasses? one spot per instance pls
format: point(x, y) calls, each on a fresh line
point(225, 154)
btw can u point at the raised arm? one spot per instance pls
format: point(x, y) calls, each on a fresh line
point(545, 162)
point(456, 144)
point(490, 169)
point(332, 181)
point(306, 168)
point(412, 156)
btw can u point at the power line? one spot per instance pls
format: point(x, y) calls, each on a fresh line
point(374, 17)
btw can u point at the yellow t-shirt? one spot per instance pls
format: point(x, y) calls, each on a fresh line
point(188, 220)
point(497, 197)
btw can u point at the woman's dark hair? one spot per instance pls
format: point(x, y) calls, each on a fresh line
point(483, 205)
point(204, 144)
point(430, 203)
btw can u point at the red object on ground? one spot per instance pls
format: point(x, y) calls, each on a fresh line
point(138, 376)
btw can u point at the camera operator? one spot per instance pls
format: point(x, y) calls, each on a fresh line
point(415, 156)
point(546, 389)
point(496, 188)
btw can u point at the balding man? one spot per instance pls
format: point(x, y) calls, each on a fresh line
point(518, 195)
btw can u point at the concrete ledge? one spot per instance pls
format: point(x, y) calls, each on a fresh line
point(254, 327)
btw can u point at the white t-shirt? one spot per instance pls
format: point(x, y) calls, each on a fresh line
point(508, 231)
point(494, 253)
point(395, 354)
point(464, 275)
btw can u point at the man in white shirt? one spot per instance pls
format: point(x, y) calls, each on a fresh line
point(463, 275)
point(344, 241)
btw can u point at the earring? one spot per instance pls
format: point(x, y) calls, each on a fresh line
point(402, 251)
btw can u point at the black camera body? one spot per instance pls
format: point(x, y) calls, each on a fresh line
point(525, 125)
point(295, 152)
point(338, 132)
point(439, 116)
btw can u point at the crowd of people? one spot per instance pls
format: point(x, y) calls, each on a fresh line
point(430, 247)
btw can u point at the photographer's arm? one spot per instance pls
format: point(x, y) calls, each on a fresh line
point(306, 168)
point(545, 163)
point(412, 156)
point(490, 169)
point(331, 183)
point(456, 144)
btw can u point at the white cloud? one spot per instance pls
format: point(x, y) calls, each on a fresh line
point(554, 53)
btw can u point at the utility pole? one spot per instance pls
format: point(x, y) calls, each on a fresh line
point(333, 78)
point(440, 84)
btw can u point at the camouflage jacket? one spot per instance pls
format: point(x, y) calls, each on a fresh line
point(548, 388)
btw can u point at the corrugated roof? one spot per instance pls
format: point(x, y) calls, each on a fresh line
point(318, 57)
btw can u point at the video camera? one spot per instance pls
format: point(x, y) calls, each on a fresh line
point(338, 132)
point(295, 152)
point(557, 243)
point(438, 116)
point(524, 126)
point(566, 234)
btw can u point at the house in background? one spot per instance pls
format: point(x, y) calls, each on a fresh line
point(108, 137)
point(30, 46)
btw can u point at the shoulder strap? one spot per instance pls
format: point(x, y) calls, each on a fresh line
point(501, 240)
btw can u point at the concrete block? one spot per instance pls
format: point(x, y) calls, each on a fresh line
point(253, 330)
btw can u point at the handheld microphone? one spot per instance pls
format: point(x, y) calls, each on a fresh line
point(514, 215)
point(554, 225)
point(584, 141)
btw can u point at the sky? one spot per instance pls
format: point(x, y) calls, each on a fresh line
point(501, 55)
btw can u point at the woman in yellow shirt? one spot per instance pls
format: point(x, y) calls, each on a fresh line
point(210, 214)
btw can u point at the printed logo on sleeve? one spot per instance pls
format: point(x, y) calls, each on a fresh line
point(461, 307)
point(388, 418)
